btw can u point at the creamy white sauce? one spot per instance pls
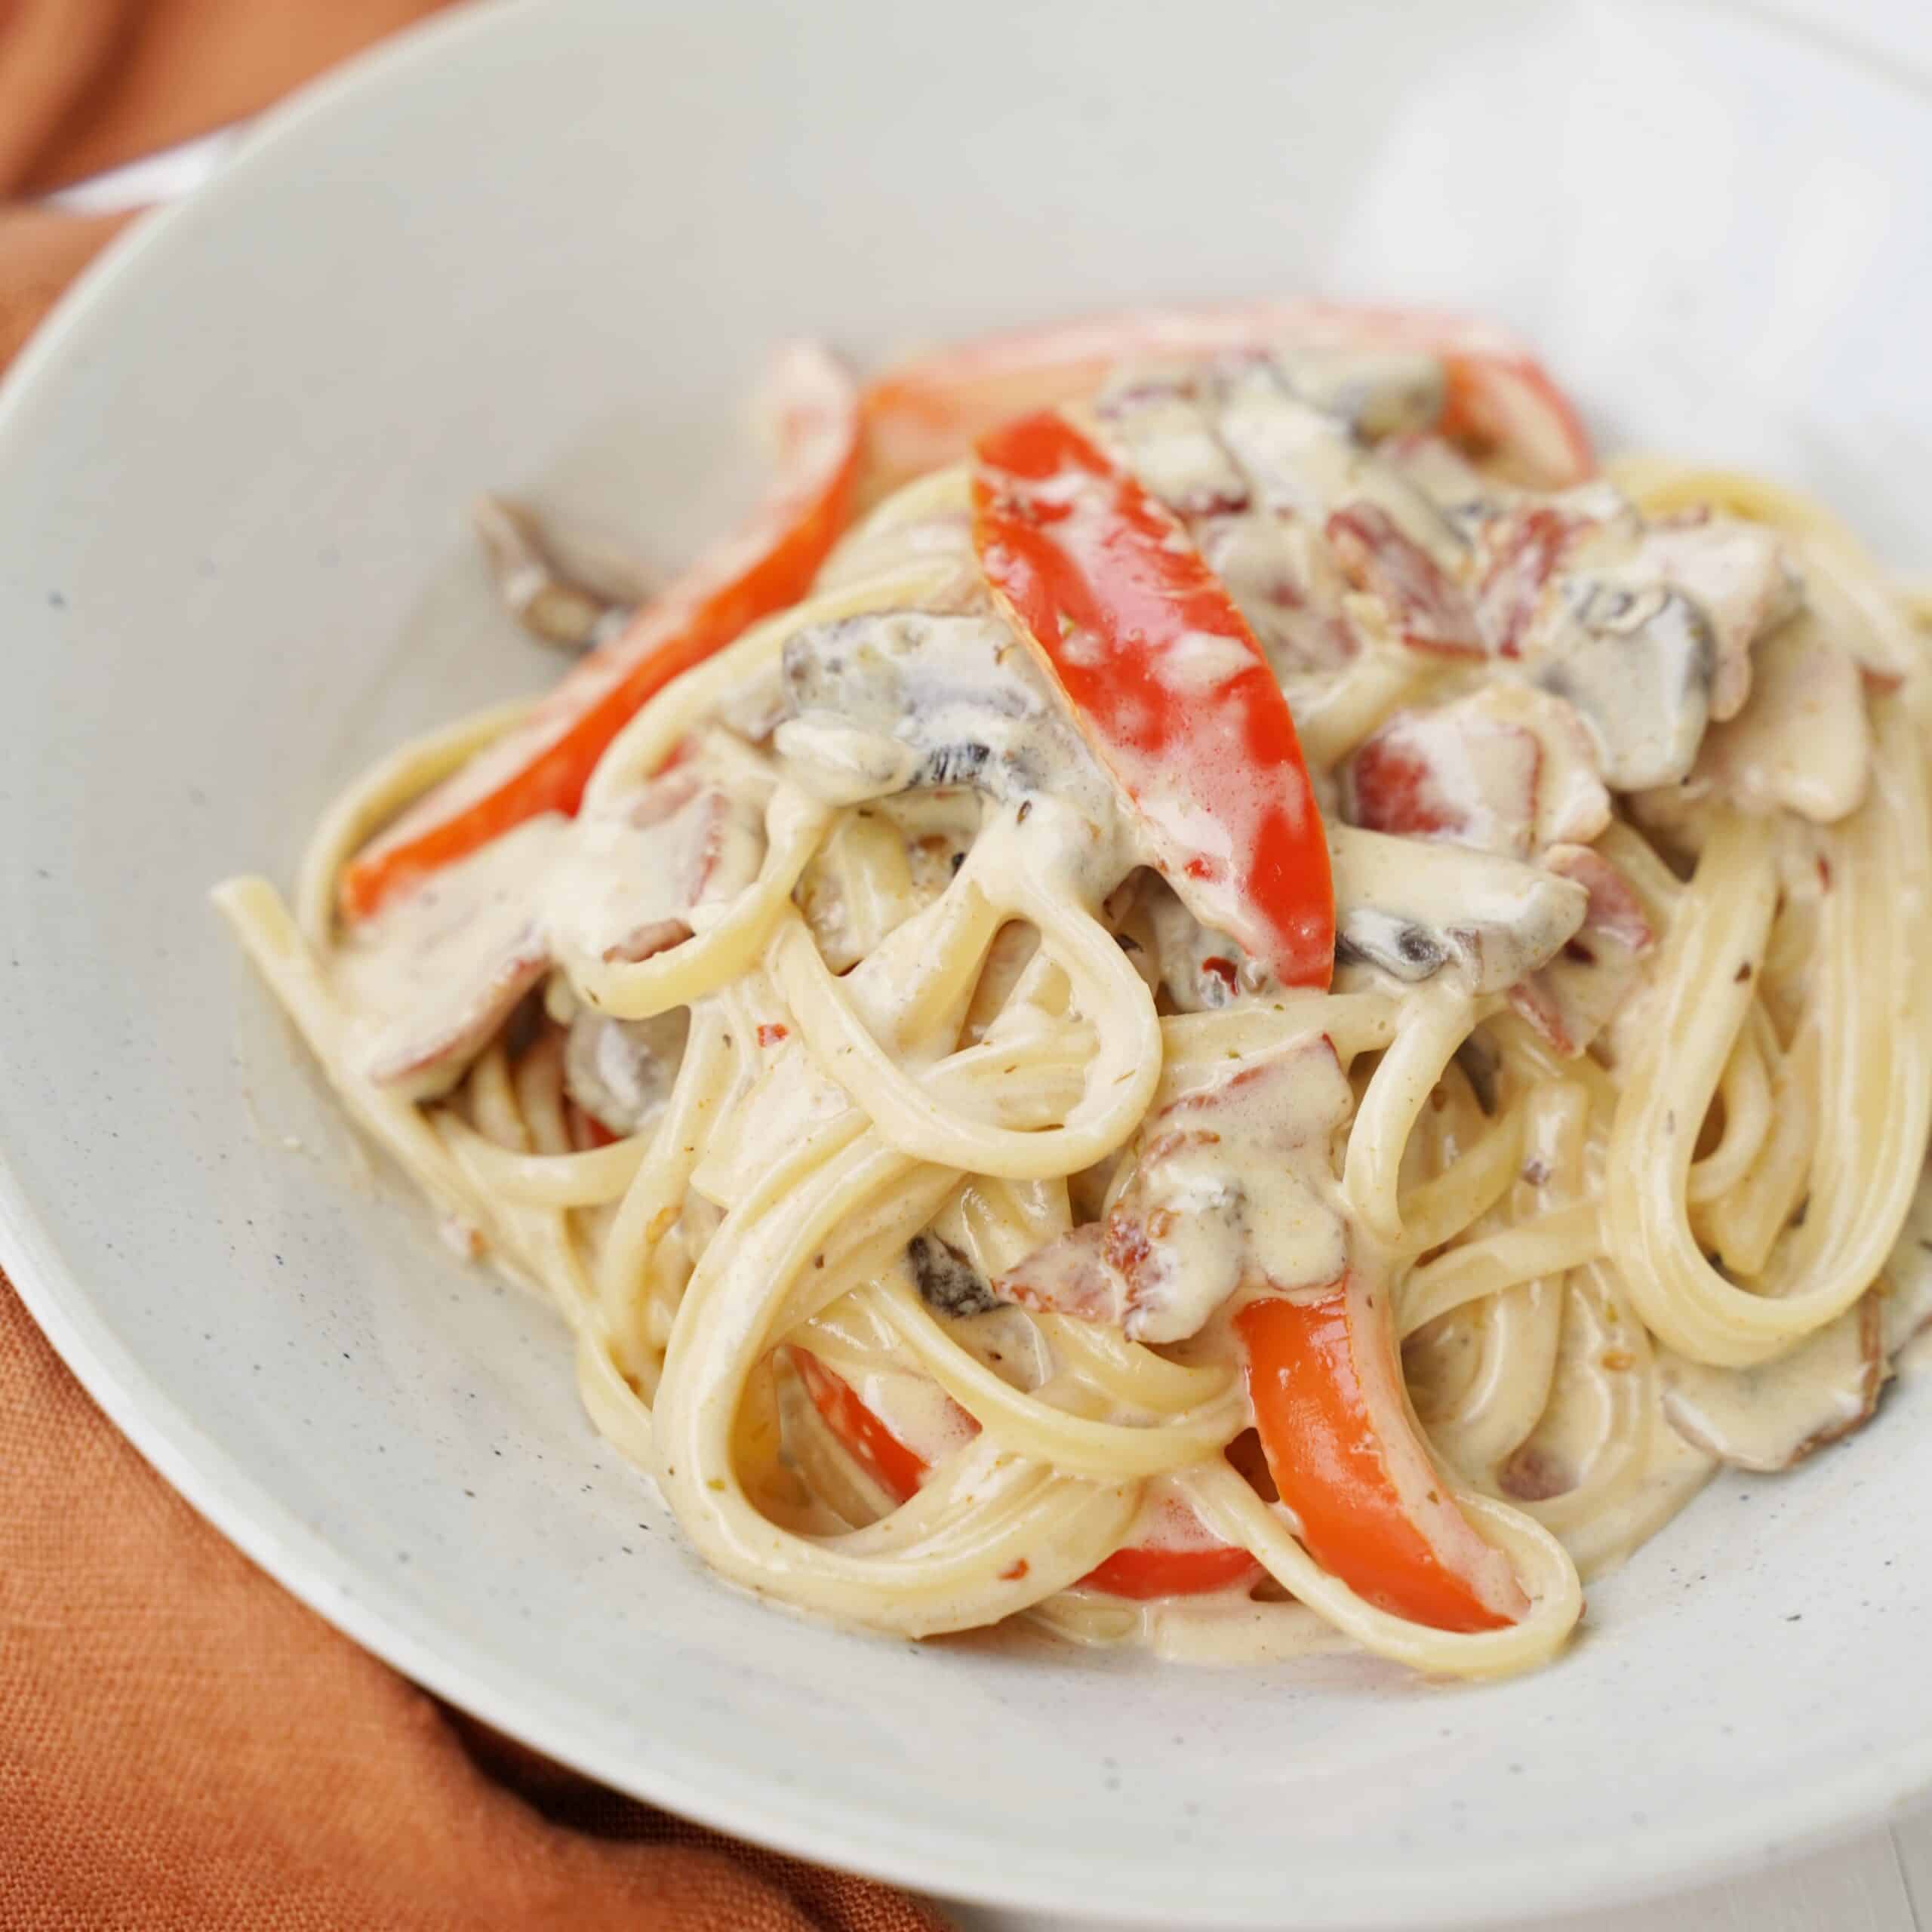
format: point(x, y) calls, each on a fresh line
point(1228, 1186)
point(1299, 458)
point(1774, 1415)
point(431, 978)
point(1643, 657)
point(1415, 909)
point(632, 872)
point(1802, 743)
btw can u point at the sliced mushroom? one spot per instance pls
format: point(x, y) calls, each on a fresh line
point(1905, 1288)
point(1803, 742)
point(1634, 657)
point(621, 1072)
point(1231, 1184)
point(1736, 574)
point(1416, 909)
point(1462, 494)
point(1570, 1000)
point(439, 969)
point(1300, 458)
point(571, 601)
point(948, 1282)
point(1156, 421)
point(898, 699)
point(1377, 392)
point(1197, 970)
point(1776, 1414)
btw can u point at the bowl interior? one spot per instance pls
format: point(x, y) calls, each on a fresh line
point(542, 247)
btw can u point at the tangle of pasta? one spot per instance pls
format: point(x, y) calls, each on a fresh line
point(980, 1186)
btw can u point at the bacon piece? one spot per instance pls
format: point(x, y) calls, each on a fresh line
point(1570, 1000)
point(1523, 550)
point(1451, 773)
point(1508, 769)
point(1070, 1275)
point(1777, 1414)
point(1228, 1189)
point(439, 970)
point(636, 869)
point(1428, 611)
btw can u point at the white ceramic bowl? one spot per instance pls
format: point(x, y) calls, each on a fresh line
point(544, 247)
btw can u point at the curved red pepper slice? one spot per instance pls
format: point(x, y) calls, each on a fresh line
point(897, 1470)
point(1505, 405)
point(1335, 1426)
point(544, 764)
point(930, 410)
point(1168, 683)
point(1143, 1570)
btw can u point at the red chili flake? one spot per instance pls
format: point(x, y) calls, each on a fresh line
point(1013, 1572)
point(770, 1034)
point(1223, 970)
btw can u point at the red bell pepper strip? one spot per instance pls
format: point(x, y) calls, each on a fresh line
point(1507, 405)
point(588, 1130)
point(931, 410)
point(544, 764)
point(897, 1470)
point(1146, 1570)
point(1143, 1570)
point(1167, 682)
point(1334, 1426)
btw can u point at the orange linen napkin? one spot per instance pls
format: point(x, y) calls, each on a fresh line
point(183, 1748)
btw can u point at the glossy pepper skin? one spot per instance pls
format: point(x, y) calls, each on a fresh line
point(1498, 400)
point(1326, 1390)
point(1139, 1571)
point(1167, 683)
